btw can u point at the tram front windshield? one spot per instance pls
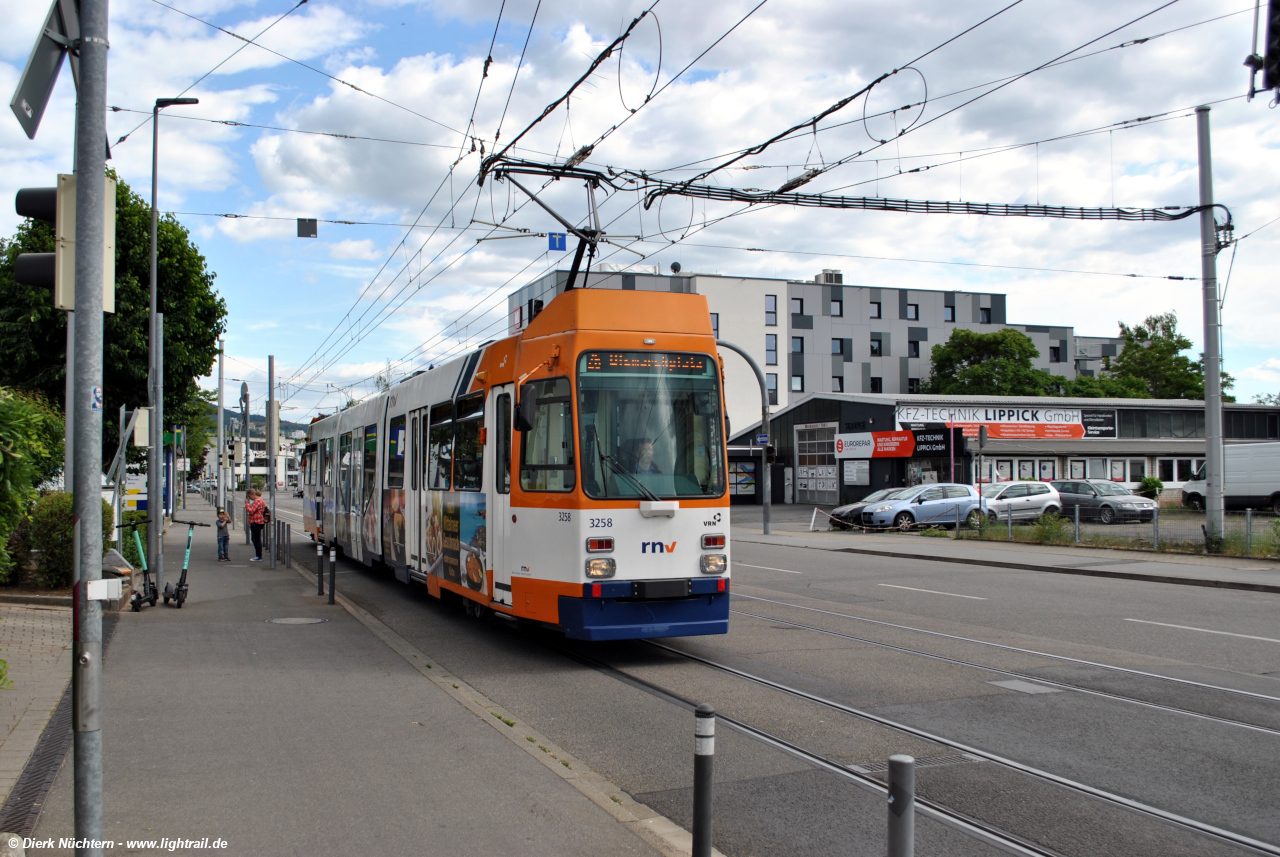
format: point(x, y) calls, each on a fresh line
point(650, 425)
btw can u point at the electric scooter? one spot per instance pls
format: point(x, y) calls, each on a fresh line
point(178, 593)
point(148, 593)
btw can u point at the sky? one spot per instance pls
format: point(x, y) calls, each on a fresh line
point(374, 112)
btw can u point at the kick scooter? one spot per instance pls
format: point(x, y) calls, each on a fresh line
point(148, 593)
point(179, 593)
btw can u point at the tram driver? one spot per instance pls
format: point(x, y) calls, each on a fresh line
point(642, 456)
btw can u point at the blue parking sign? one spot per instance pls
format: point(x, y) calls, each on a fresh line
point(556, 241)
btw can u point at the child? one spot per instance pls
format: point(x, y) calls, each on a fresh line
point(224, 536)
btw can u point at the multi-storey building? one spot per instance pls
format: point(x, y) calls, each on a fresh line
point(823, 336)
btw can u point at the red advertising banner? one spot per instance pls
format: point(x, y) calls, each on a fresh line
point(876, 444)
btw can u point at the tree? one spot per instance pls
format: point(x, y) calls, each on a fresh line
point(33, 334)
point(30, 454)
point(1152, 360)
point(1267, 399)
point(988, 364)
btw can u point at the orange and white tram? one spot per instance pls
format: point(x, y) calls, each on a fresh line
point(573, 474)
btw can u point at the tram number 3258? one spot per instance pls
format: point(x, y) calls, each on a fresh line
point(601, 522)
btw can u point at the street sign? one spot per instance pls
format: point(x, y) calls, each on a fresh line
point(762, 439)
point(556, 241)
point(61, 30)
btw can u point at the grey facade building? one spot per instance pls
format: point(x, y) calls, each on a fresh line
point(825, 336)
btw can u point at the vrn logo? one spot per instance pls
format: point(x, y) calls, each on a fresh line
point(657, 547)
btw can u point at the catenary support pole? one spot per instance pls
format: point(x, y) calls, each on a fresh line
point(902, 806)
point(704, 759)
point(244, 430)
point(1212, 342)
point(333, 572)
point(764, 480)
point(222, 444)
point(69, 434)
point(86, 405)
point(271, 449)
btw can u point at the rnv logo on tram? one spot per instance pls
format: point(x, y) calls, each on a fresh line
point(657, 547)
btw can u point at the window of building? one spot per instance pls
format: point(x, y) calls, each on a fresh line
point(797, 345)
point(715, 324)
point(1076, 468)
point(913, 348)
point(797, 306)
point(875, 348)
point(1117, 469)
point(913, 385)
point(913, 312)
point(837, 346)
point(771, 349)
point(1137, 469)
point(949, 313)
point(771, 310)
point(1055, 353)
point(837, 309)
point(877, 385)
point(771, 384)
point(875, 310)
point(837, 384)
point(984, 315)
point(797, 383)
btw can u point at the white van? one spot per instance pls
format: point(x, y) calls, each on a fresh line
point(1252, 478)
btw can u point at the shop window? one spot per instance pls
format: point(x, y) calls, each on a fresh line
point(1098, 468)
point(837, 309)
point(875, 310)
point(875, 348)
point(949, 313)
point(984, 315)
point(837, 384)
point(913, 312)
point(1026, 470)
point(1048, 470)
point(913, 348)
point(771, 310)
point(1004, 471)
point(1186, 469)
point(1137, 469)
point(1076, 469)
point(1164, 470)
point(1117, 470)
point(771, 349)
point(771, 385)
point(877, 385)
point(797, 383)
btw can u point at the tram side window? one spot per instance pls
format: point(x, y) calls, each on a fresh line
point(414, 457)
point(370, 454)
point(395, 452)
point(328, 462)
point(546, 450)
point(468, 451)
point(502, 468)
point(440, 454)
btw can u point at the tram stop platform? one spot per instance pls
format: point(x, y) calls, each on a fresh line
point(225, 724)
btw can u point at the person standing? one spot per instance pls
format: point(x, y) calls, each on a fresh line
point(224, 536)
point(255, 513)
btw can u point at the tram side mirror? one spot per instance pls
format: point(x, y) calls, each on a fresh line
point(527, 408)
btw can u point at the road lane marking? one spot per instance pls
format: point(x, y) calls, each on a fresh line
point(767, 568)
point(1205, 630)
point(932, 591)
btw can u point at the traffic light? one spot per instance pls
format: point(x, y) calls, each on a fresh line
point(771, 454)
point(1271, 49)
point(57, 270)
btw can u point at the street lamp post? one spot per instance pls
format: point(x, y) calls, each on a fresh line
point(155, 487)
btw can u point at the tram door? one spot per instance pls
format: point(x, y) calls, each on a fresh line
point(356, 481)
point(498, 425)
point(415, 495)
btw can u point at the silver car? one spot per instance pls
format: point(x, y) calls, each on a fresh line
point(1020, 500)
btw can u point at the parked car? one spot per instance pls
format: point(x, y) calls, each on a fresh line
point(1020, 500)
point(935, 505)
point(1103, 501)
point(1251, 478)
point(850, 514)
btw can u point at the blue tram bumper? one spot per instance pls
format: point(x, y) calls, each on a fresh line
point(619, 610)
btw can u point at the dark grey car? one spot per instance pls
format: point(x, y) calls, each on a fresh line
point(1103, 501)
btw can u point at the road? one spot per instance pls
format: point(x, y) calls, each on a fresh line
point(853, 658)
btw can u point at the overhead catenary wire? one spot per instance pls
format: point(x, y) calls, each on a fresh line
point(516, 77)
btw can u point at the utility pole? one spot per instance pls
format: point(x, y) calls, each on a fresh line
point(222, 447)
point(86, 404)
point(1212, 330)
point(244, 428)
point(272, 446)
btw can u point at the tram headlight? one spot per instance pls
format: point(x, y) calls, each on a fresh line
point(714, 563)
point(598, 567)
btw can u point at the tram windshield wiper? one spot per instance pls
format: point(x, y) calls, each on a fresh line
point(622, 471)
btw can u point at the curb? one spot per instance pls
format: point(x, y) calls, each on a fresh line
point(46, 600)
point(1050, 569)
point(657, 830)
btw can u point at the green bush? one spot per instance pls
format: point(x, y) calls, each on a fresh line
point(1050, 529)
point(1150, 487)
point(30, 454)
point(52, 534)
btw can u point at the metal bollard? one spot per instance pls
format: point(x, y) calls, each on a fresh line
point(704, 758)
point(957, 521)
point(1009, 514)
point(333, 571)
point(1077, 511)
point(271, 547)
point(902, 806)
point(288, 545)
point(1248, 532)
point(1155, 529)
point(319, 568)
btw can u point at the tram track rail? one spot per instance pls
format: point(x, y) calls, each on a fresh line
point(1008, 648)
point(1219, 834)
point(1032, 677)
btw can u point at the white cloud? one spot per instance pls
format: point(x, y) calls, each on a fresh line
point(363, 249)
point(1268, 371)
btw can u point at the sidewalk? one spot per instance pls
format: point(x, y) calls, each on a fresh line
point(36, 641)
point(1182, 569)
point(330, 737)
